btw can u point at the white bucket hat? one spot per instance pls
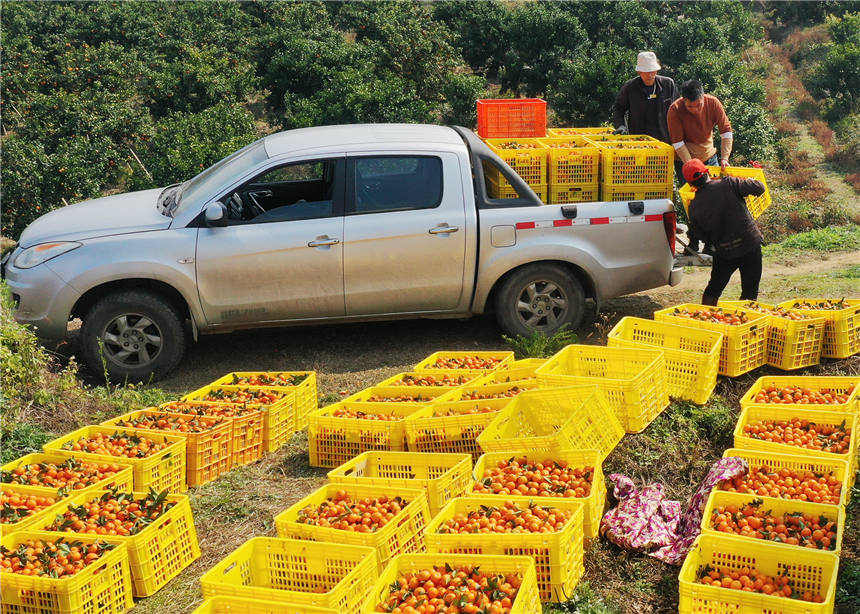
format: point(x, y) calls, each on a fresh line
point(647, 62)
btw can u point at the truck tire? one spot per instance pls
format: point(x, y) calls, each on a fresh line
point(134, 336)
point(540, 298)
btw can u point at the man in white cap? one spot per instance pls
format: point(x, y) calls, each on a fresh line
point(645, 100)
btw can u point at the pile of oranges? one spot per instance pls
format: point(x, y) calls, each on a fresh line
point(802, 433)
point(267, 379)
point(794, 529)
point(118, 443)
point(780, 312)
point(465, 590)
point(403, 398)
point(472, 410)
point(201, 409)
point(508, 518)
point(343, 512)
point(517, 145)
point(801, 395)
point(431, 380)
point(467, 362)
point(71, 474)
point(244, 395)
point(732, 318)
point(350, 412)
point(53, 558)
point(751, 581)
point(475, 395)
point(550, 478)
point(786, 484)
point(182, 423)
point(825, 305)
point(15, 507)
point(113, 513)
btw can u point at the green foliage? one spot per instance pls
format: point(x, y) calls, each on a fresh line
point(540, 345)
point(585, 601)
point(836, 80)
point(20, 438)
point(830, 239)
point(848, 585)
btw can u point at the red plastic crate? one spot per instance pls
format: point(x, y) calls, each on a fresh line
point(511, 117)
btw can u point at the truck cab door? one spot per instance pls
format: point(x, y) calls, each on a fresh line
point(404, 233)
point(280, 258)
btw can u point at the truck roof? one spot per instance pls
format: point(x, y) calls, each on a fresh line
point(352, 134)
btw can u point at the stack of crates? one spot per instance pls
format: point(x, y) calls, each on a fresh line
point(528, 158)
point(573, 169)
point(634, 167)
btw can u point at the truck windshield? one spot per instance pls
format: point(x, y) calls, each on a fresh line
point(200, 188)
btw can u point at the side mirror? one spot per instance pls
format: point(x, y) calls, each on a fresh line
point(215, 215)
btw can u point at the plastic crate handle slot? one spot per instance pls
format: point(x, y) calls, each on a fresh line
point(228, 569)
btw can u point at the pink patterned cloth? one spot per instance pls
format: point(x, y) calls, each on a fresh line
point(646, 521)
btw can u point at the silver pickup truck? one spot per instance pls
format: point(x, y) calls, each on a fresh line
point(323, 225)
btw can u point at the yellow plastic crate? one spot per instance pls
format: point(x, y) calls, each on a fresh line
point(327, 575)
point(527, 600)
point(158, 553)
point(425, 394)
point(33, 519)
point(505, 190)
point(332, 441)
point(744, 345)
point(848, 384)
point(457, 378)
point(692, 355)
point(306, 389)
point(516, 371)
point(806, 570)
point(558, 556)
point(779, 507)
point(124, 478)
point(503, 357)
point(164, 470)
point(277, 415)
point(572, 160)
point(486, 389)
point(246, 433)
point(756, 204)
point(529, 162)
point(841, 328)
point(552, 420)
point(612, 193)
point(774, 462)
point(244, 605)
point(633, 380)
point(754, 413)
point(427, 430)
point(102, 587)
point(208, 453)
point(791, 344)
point(555, 132)
point(402, 534)
point(603, 137)
point(635, 161)
point(561, 193)
point(593, 503)
point(441, 476)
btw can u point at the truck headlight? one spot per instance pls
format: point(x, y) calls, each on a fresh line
point(38, 254)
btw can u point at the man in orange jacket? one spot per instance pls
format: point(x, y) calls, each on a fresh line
point(692, 119)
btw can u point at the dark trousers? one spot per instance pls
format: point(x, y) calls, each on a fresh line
point(750, 268)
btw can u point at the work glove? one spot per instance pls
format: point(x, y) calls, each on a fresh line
point(622, 129)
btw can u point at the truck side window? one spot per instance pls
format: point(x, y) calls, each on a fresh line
point(394, 183)
point(495, 183)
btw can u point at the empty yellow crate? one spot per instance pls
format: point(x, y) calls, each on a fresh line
point(692, 355)
point(847, 385)
point(593, 503)
point(102, 587)
point(441, 476)
point(156, 554)
point(572, 160)
point(163, 470)
point(791, 344)
point(333, 440)
point(778, 507)
point(580, 131)
point(558, 556)
point(755, 204)
point(245, 605)
point(451, 427)
point(7, 525)
point(552, 420)
point(633, 380)
point(305, 387)
point(327, 575)
point(124, 478)
point(438, 378)
point(527, 600)
point(208, 453)
point(841, 328)
point(501, 359)
point(402, 534)
point(744, 345)
point(516, 371)
point(526, 156)
point(635, 162)
point(774, 462)
point(807, 570)
point(612, 193)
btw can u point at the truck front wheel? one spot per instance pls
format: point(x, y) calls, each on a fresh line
point(134, 336)
point(540, 298)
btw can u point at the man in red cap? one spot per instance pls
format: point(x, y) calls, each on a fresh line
point(718, 215)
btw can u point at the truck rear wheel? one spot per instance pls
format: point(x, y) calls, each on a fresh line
point(133, 336)
point(540, 298)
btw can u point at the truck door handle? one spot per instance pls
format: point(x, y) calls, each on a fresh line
point(443, 230)
point(322, 242)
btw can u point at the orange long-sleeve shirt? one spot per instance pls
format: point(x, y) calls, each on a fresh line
point(696, 130)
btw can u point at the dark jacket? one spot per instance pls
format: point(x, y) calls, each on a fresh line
point(719, 216)
point(633, 100)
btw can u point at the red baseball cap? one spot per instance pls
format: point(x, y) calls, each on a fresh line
point(693, 169)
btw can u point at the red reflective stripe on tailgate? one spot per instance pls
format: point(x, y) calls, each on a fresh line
point(562, 222)
point(601, 220)
point(527, 225)
point(654, 217)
